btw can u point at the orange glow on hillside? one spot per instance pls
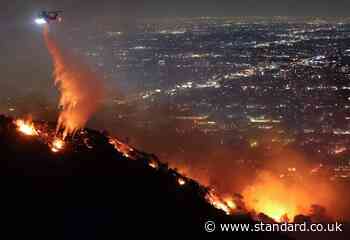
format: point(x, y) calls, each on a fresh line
point(153, 164)
point(277, 199)
point(226, 205)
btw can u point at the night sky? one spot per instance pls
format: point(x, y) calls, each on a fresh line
point(161, 8)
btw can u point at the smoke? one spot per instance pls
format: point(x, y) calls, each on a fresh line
point(279, 182)
point(278, 198)
point(80, 88)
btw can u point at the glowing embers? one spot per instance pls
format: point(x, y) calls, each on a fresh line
point(230, 203)
point(181, 181)
point(227, 205)
point(57, 145)
point(122, 148)
point(153, 164)
point(26, 127)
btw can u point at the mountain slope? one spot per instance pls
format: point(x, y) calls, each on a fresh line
point(89, 190)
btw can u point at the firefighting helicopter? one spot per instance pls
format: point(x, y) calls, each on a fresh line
point(48, 16)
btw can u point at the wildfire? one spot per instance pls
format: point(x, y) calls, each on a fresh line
point(57, 145)
point(276, 199)
point(230, 203)
point(123, 148)
point(278, 213)
point(26, 127)
point(80, 88)
point(181, 181)
point(153, 164)
point(226, 205)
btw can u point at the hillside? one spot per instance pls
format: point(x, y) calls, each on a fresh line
point(90, 190)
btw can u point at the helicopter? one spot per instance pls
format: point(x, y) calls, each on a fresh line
point(48, 16)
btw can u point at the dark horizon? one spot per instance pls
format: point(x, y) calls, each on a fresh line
point(157, 8)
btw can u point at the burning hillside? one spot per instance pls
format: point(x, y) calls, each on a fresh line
point(268, 196)
point(129, 184)
point(84, 139)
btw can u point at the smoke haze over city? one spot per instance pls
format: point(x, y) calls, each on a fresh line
point(248, 98)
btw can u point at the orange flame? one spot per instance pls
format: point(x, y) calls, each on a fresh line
point(181, 181)
point(26, 127)
point(81, 91)
point(226, 205)
point(57, 145)
point(123, 148)
point(230, 203)
point(276, 199)
point(153, 164)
